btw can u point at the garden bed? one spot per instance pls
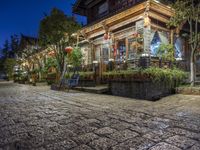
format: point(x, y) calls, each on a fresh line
point(149, 84)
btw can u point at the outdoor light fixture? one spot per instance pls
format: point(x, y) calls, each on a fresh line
point(95, 62)
point(69, 66)
point(145, 55)
point(111, 59)
point(74, 35)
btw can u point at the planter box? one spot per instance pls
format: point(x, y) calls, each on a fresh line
point(146, 90)
point(86, 83)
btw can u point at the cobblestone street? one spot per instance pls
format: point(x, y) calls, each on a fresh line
point(38, 118)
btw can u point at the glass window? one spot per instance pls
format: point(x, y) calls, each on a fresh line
point(121, 50)
point(155, 43)
point(178, 47)
point(135, 45)
point(103, 8)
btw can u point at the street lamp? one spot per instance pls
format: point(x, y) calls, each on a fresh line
point(95, 66)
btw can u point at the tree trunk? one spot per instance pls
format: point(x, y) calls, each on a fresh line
point(63, 72)
point(40, 76)
point(192, 69)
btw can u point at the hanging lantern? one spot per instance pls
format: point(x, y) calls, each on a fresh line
point(68, 49)
point(147, 21)
point(135, 35)
point(51, 53)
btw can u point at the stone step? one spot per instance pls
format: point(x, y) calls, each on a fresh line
point(97, 89)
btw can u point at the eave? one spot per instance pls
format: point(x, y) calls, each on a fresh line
point(157, 11)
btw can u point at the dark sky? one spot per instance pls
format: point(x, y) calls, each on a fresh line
point(23, 16)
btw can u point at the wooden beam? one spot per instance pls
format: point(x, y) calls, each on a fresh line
point(154, 26)
point(161, 8)
point(158, 17)
point(115, 18)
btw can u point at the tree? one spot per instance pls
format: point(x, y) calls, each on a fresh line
point(14, 45)
point(188, 12)
point(6, 49)
point(75, 57)
point(166, 52)
point(9, 65)
point(56, 33)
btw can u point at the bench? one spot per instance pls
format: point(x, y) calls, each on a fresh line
point(73, 82)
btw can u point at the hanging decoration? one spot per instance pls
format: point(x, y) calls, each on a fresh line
point(68, 49)
point(146, 21)
point(51, 53)
point(114, 50)
point(107, 36)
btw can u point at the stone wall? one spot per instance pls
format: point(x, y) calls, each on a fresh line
point(147, 90)
point(188, 90)
point(86, 83)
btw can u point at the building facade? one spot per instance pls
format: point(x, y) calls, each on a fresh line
point(123, 30)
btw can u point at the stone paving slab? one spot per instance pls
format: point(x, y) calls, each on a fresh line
point(40, 119)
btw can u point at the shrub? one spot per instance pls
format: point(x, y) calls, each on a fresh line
point(86, 75)
point(51, 78)
point(154, 74)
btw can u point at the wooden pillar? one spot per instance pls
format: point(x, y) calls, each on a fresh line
point(127, 48)
point(171, 36)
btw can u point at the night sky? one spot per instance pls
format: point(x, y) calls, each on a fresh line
point(23, 16)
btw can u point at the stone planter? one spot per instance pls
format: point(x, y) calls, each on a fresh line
point(141, 89)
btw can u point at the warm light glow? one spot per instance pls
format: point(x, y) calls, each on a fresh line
point(51, 53)
point(68, 49)
point(146, 21)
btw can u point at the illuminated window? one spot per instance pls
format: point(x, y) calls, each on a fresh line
point(155, 43)
point(178, 47)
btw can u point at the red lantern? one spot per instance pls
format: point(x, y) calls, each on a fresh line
point(114, 50)
point(68, 49)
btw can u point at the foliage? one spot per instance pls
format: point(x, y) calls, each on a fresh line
point(9, 65)
point(14, 45)
point(188, 12)
point(51, 62)
point(86, 75)
point(154, 74)
point(55, 33)
point(10, 47)
point(75, 57)
point(166, 52)
point(166, 75)
point(6, 49)
point(35, 71)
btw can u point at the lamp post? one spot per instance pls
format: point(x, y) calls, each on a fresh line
point(95, 66)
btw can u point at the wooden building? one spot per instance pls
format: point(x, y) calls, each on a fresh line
point(30, 53)
point(123, 30)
